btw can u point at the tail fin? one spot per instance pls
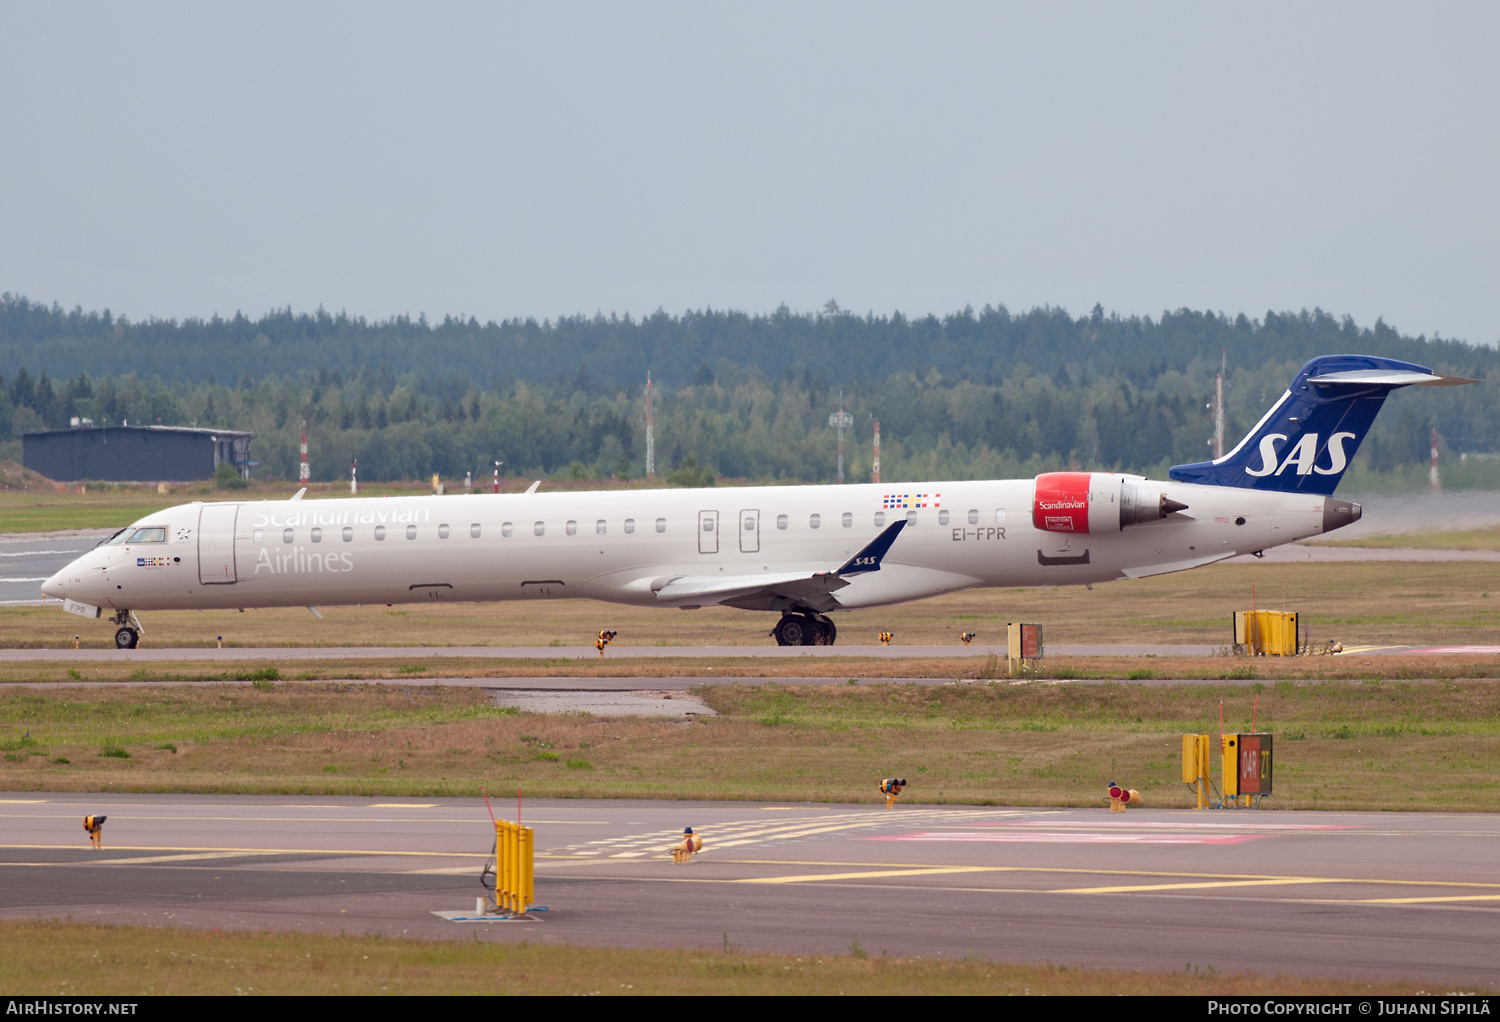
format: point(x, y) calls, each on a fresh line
point(1305, 442)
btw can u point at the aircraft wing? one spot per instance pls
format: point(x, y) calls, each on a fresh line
point(812, 589)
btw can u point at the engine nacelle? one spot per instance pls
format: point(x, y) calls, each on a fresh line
point(1096, 502)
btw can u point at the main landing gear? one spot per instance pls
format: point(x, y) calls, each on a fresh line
point(127, 637)
point(805, 629)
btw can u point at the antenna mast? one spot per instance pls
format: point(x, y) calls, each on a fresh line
point(841, 419)
point(304, 474)
point(650, 439)
point(1432, 475)
point(1218, 441)
point(875, 468)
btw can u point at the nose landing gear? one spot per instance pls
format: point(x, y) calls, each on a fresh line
point(129, 635)
point(805, 629)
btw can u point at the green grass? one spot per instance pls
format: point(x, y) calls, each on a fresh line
point(1366, 744)
point(50, 958)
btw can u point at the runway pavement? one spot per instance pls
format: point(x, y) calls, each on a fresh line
point(305, 653)
point(1371, 895)
point(25, 563)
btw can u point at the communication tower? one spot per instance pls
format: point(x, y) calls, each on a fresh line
point(650, 440)
point(841, 419)
point(875, 467)
point(1432, 474)
point(304, 473)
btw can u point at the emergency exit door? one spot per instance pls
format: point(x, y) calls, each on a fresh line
point(749, 532)
point(708, 532)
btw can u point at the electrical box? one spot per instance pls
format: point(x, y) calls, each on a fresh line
point(1229, 765)
point(1025, 641)
point(1263, 632)
point(1195, 758)
point(1254, 769)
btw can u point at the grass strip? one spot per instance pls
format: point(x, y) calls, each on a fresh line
point(1340, 744)
point(51, 958)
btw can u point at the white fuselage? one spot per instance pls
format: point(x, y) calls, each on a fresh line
point(613, 545)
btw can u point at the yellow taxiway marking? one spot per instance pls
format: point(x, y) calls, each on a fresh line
point(868, 875)
point(1418, 901)
point(261, 851)
point(189, 857)
point(1200, 886)
point(402, 805)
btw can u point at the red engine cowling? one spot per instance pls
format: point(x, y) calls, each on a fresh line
point(1097, 502)
point(1061, 502)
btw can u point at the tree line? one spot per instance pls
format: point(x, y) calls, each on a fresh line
point(734, 421)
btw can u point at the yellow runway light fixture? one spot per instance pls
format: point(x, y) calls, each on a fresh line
point(891, 787)
point(95, 827)
point(605, 638)
point(966, 637)
point(683, 850)
point(886, 637)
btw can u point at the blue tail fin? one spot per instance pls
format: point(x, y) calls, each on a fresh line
point(1305, 442)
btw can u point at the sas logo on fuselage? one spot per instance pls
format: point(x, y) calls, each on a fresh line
point(1303, 455)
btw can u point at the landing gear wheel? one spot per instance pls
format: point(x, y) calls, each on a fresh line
point(796, 630)
point(827, 630)
point(127, 638)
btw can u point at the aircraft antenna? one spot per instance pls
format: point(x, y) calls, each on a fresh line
point(650, 439)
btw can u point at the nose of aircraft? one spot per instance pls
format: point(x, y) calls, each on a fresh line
point(55, 587)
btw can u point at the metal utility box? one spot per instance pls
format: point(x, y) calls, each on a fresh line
point(1025, 641)
point(1263, 632)
point(1254, 764)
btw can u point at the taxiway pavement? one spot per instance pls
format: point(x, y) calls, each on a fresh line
point(1371, 895)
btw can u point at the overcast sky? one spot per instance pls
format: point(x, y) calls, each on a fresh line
point(546, 159)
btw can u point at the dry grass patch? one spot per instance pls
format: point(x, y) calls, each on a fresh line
point(49, 958)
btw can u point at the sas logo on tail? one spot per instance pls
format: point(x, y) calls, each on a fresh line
point(1302, 456)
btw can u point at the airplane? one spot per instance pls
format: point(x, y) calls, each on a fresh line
point(804, 552)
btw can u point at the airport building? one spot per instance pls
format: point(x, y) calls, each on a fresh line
point(137, 454)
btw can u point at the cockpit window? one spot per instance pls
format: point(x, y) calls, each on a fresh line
point(117, 538)
point(157, 535)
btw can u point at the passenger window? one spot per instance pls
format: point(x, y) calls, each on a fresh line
point(814, 521)
point(317, 535)
point(540, 528)
point(443, 531)
point(661, 525)
point(999, 516)
point(474, 531)
point(411, 532)
point(942, 518)
point(879, 519)
point(506, 529)
point(781, 521)
point(629, 526)
point(348, 534)
point(600, 527)
point(380, 532)
point(848, 520)
point(258, 536)
point(286, 535)
point(911, 518)
point(974, 516)
point(149, 536)
point(749, 524)
point(708, 525)
point(571, 528)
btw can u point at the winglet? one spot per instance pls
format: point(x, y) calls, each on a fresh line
point(868, 559)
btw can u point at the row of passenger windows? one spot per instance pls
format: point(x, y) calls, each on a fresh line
point(601, 527)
